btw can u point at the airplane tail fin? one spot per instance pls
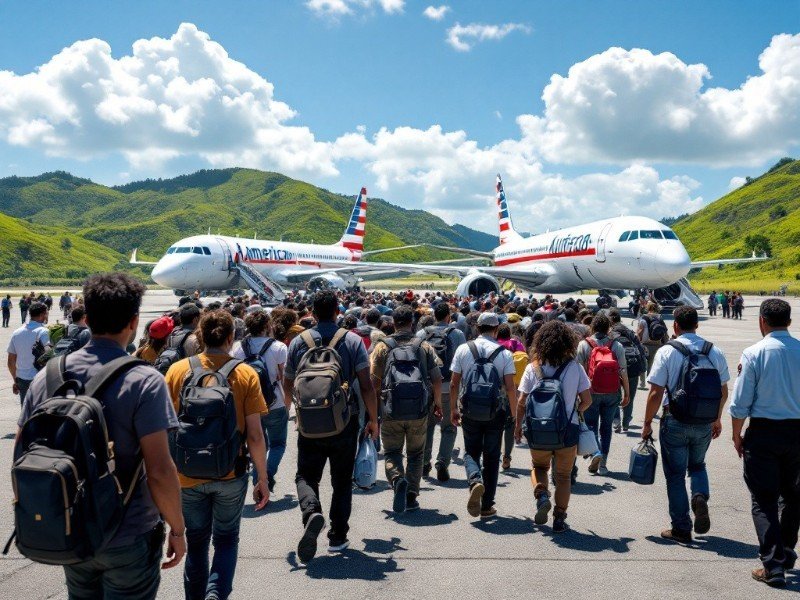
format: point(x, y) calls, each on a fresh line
point(353, 238)
point(507, 231)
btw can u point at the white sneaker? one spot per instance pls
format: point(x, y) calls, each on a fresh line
point(339, 547)
point(601, 468)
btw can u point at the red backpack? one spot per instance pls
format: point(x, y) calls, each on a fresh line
point(603, 368)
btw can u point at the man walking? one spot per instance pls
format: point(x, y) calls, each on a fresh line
point(20, 349)
point(767, 391)
point(687, 369)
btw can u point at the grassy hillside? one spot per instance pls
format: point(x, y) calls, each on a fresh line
point(766, 206)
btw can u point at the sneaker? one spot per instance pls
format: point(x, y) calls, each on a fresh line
point(307, 548)
point(400, 495)
point(677, 535)
point(776, 579)
point(543, 507)
point(271, 484)
point(791, 559)
point(574, 477)
point(702, 522)
point(487, 513)
point(411, 503)
point(617, 426)
point(506, 463)
point(594, 463)
point(625, 428)
point(338, 546)
point(560, 524)
point(442, 473)
point(601, 468)
point(475, 498)
point(426, 469)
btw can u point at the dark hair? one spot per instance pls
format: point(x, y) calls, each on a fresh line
point(373, 316)
point(776, 313)
point(78, 314)
point(257, 323)
point(386, 325)
point(569, 314)
point(216, 305)
point(188, 313)
point(237, 310)
point(325, 305)
point(686, 318)
point(614, 315)
point(553, 344)
point(601, 323)
point(112, 301)
point(37, 309)
point(216, 327)
point(403, 315)
point(441, 311)
point(486, 328)
point(350, 322)
point(426, 321)
point(504, 332)
point(283, 319)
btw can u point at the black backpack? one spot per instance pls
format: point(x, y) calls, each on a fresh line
point(439, 339)
point(68, 498)
point(207, 442)
point(547, 425)
point(322, 397)
point(656, 328)
point(404, 390)
point(635, 362)
point(481, 395)
point(698, 396)
point(256, 361)
point(174, 352)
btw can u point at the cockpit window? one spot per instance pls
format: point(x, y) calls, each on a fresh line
point(634, 236)
point(669, 234)
point(624, 236)
point(650, 235)
point(183, 250)
point(206, 251)
point(171, 250)
point(197, 250)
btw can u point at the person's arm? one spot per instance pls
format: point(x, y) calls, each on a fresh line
point(626, 389)
point(165, 489)
point(654, 400)
point(511, 391)
point(437, 393)
point(519, 415)
point(716, 427)
point(370, 401)
point(258, 453)
point(584, 401)
point(455, 384)
point(12, 368)
point(736, 428)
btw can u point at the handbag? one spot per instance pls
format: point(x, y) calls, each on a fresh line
point(643, 462)
point(365, 471)
point(587, 440)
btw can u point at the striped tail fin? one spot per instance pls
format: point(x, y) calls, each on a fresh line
point(353, 238)
point(507, 231)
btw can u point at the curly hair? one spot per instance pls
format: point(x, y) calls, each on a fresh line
point(553, 344)
point(216, 327)
point(283, 319)
point(257, 323)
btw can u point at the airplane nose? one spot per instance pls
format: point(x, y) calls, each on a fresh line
point(672, 262)
point(169, 272)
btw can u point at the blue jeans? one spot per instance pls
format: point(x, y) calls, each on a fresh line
point(275, 425)
point(627, 412)
point(212, 508)
point(600, 418)
point(683, 448)
point(482, 440)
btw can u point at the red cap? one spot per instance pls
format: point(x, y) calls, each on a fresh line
point(161, 328)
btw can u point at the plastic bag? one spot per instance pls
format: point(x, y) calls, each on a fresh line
point(587, 440)
point(365, 472)
point(643, 463)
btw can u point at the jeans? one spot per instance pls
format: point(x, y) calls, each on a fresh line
point(312, 454)
point(600, 418)
point(6, 316)
point(508, 435)
point(627, 412)
point(130, 572)
point(448, 438)
point(275, 426)
point(23, 385)
point(482, 439)
point(212, 509)
point(683, 448)
point(772, 474)
point(411, 434)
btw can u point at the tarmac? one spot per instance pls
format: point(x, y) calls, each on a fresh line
point(613, 550)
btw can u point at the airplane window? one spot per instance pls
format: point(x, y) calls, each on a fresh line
point(206, 251)
point(197, 250)
point(624, 236)
point(634, 236)
point(669, 234)
point(650, 235)
point(171, 250)
point(183, 250)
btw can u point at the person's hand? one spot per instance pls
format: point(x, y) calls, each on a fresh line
point(176, 549)
point(738, 443)
point(373, 430)
point(261, 494)
point(455, 418)
point(15, 389)
point(518, 433)
point(437, 412)
point(716, 429)
point(647, 430)
point(625, 401)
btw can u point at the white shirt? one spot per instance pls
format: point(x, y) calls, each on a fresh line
point(573, 381)
point(463, 359)
point(274, 356)
point(21, 344)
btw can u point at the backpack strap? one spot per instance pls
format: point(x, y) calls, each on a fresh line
point(309, 340)
point(706, 348)
point(560, 370)
point(680, 347)
point(391, 343)
point(267, 345)
point(55, 374)
point(248, 354)
point(337, 338)
point(495, 354)
point(473, 348)
point(592, 343)
point(109, 372)
point(228, 368)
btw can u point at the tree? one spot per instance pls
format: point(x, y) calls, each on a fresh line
point(758, 243)
point(66, 244)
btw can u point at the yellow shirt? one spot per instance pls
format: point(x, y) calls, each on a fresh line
point(243, 382)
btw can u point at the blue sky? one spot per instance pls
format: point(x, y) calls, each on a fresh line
point(377, 67)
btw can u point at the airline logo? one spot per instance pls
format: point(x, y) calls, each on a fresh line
point(560, 247)
point(353, 238)
point(502, 207)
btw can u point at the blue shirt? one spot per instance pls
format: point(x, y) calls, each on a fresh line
point(768, 385)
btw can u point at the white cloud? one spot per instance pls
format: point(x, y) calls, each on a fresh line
point(498, 114)
point(735, 183)
point(339, 8)
point(623, 105)
point(436, 13)
point(464, 37)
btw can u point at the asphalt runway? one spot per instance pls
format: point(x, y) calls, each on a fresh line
point(613, 550)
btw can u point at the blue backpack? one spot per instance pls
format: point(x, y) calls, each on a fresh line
point(481, 396)
point(547, 425)
point(697, 398)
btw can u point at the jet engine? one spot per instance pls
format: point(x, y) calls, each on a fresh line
point(477, 284)
point(328, 281)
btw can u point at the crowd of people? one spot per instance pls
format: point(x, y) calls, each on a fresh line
point(730, 303)
point(206, 408)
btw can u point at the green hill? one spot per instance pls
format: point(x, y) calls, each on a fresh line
point(763, 212)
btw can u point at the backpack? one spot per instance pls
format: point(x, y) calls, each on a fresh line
point(656, 328)
point(634, 361)
point(697, 398)
point(41, 352)
point(67, 344)
point(256, 361)
point(404, 391)
point(365, 334)
point(481, 395)
point(603, 368)
point(207, 441)
point(520, 363)
point(546, 422)
point(439, 340)
point(172, 353)
point(57, 331)
point(321, 391)
point(68, 498)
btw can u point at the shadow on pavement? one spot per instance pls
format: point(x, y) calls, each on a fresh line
point(589, 542)
point(424, 517)
point(288, 502)
point(350, 564)
point(378, 546)
point(711, 543)
point(515, 472)
point(380, 486)
point(505, 525)
point(583, 488)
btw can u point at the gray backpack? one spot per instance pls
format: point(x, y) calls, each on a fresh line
point(321, 389)
point(404, 391)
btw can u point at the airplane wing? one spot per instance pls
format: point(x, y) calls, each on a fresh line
point(701, 264)
point(133, 260)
